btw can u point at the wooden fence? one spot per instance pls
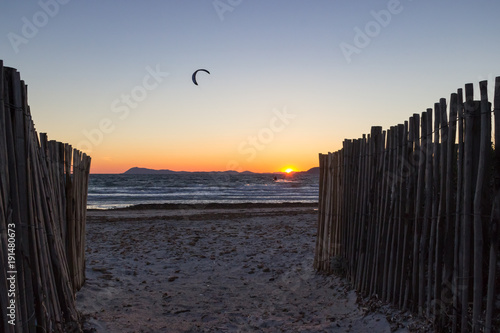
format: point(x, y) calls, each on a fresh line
point(43, 194)
point(411, 214)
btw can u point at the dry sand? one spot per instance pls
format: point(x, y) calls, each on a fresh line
point(226, 269)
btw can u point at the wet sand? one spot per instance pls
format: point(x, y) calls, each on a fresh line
point(246, 268)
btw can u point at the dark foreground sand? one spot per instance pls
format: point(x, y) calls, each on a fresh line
point(216, 269)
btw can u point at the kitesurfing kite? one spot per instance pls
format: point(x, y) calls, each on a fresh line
point(194, 75)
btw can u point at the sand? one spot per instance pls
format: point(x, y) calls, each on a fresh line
point(215, 269)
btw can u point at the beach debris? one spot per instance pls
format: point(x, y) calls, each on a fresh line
point(195, 72)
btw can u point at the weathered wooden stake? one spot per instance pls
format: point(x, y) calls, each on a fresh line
point(495, 215)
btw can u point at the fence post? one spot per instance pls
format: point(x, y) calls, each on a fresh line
point(482, 169)
point(495, 215)
point(470, 110)
point(319, 234)
point(420, 135)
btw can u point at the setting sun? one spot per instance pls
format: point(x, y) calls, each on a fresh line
point(288, 169)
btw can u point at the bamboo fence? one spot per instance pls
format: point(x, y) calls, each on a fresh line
point(43, 194)
point(411, 214)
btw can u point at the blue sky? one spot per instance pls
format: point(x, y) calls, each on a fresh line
point(265, 58)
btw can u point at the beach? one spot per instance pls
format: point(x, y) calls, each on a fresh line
point(215, 268)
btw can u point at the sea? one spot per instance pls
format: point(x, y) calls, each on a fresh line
point(107, 191)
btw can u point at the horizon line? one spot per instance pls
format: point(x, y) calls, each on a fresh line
point(199, 171)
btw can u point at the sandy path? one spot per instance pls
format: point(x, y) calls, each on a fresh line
point(215, 271)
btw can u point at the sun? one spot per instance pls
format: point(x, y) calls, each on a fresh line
point(288, 169)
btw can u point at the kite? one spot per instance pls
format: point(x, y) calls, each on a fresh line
point(194, 74)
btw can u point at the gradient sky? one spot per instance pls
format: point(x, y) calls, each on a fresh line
point(289, 79)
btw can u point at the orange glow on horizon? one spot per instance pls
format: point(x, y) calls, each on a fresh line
point(114, 166)
point(105, 161)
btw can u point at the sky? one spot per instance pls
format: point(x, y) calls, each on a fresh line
point(288, 79)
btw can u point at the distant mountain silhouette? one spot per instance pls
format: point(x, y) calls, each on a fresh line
point(146, 171)
point(312, 171)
